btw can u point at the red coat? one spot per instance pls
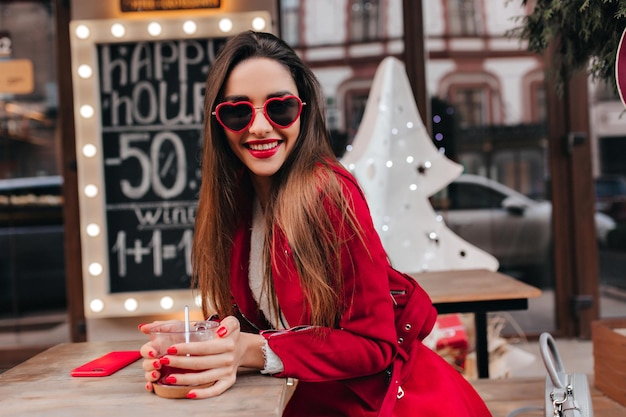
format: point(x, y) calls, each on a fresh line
point(347, 372)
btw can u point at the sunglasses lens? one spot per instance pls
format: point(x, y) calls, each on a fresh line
point(283, 111)
point(235, 116)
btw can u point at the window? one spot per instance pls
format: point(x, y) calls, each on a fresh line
point(540, 102)
point(355, 107)
point(290, 24)
point(471, 103)
point(364, 20)
point(28, 118)
point(463, 18)
point(473, 197)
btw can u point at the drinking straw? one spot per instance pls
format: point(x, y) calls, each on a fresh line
point(186, 324)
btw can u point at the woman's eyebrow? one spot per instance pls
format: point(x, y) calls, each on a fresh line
point(240, 97)
point(235, 98)
point(280, 94)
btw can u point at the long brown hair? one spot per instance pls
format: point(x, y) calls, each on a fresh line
point(296, 207)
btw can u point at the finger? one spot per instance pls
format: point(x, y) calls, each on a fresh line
point(149, 386)
point(203, 375)
point(205, 348)
point(145, 328)
point(228, 326)
point(204, 362)
point(150, 365)
point(152, 376)
point(214, 390)
point(147, 351)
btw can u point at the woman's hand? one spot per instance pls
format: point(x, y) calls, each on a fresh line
point(151, 364)
point(215, 360)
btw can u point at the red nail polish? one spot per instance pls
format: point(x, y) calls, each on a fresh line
point(221, 332)
point(164, 361)
point(191, 395)
point(170, 379)
point(172, 350)
point(154, 374)
point(156, 364)
point(141, 325)
point(152, 354)
point(148, 387)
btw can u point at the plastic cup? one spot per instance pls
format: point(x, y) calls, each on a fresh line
point(162, 337)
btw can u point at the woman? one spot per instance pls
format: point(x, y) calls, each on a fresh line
point(286, 254)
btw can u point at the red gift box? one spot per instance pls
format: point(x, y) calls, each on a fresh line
point(452, 342)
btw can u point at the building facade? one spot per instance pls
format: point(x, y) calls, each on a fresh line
point(494, 85)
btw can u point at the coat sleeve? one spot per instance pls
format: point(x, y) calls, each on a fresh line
point(364, 342)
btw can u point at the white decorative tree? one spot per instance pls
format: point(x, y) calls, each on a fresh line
point(399, 168)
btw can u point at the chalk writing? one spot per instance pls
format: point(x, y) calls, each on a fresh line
point(151, 96)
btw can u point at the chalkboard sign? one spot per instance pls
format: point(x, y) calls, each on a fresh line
point(151, 96)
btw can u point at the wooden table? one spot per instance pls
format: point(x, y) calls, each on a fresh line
point(505, 395)
point(42, 386)
point(477, 291)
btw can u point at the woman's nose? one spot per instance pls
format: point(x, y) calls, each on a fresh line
point(260, 125)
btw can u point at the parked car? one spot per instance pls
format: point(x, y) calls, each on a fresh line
point(611, 197)
point(505, 223)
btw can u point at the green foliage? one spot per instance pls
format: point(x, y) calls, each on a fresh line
point(585, 35)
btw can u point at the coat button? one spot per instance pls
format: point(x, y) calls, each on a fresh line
point(407, 327)
point(400, 340)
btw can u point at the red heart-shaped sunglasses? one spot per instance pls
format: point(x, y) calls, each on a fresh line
point(281, 112)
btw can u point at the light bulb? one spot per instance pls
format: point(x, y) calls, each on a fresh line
point(85, 71)
point(225, 25)
point(96, 305)
point(95, 269)
point(93, 229)
point(190, 27)
point(118, 30)
point(91, 190)
point(131, 304)
point(258, 23)
point(82, 32)
point(167, 303)
point(87, 111)
point(154, 29)
point(90, 150)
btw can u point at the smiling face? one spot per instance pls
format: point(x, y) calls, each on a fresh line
point(263, 147)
